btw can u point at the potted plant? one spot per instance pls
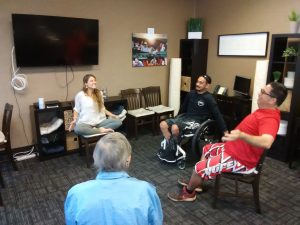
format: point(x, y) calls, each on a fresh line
point(290, 53)
point(276, 75)
point(294, 21)
point(195, 26)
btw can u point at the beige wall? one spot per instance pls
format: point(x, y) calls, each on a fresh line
point(118, 19)
point(239, 16)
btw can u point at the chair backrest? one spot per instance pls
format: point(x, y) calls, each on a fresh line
point(7, 121)
point(134, 98)
point(152, 96)
point(261, 161)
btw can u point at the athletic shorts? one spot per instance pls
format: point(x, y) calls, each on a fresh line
point(217, 161)
point(184, 123)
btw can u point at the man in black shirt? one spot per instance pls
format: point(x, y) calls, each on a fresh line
point(198, 106)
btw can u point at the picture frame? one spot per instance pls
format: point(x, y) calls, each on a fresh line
point(149, 50)
point(245, 44)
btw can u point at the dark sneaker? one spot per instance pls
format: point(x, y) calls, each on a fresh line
point(167, 151)
point(185, 183)
point(183, 196)
point(167, 156)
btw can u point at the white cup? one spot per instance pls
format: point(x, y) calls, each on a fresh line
point(41, 103)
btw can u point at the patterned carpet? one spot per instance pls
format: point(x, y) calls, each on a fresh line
point(35, 194)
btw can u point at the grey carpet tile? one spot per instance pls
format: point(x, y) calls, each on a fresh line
point(35, 194)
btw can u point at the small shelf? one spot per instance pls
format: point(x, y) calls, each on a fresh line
point(283, 145)
point(193, 53)
point(59, 142)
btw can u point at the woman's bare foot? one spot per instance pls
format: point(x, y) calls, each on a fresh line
point(105, 130)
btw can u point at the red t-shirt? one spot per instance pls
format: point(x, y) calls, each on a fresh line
point(262, 121)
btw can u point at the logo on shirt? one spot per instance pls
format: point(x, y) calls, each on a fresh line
point(200, 103)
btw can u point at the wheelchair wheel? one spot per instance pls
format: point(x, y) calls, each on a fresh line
point(181, 164)
point(207, 133)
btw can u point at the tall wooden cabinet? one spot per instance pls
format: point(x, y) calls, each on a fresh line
point(193, 53)
point(290, 111)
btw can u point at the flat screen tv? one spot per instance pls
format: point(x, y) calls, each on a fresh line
point(242, 85)
point(55, 41)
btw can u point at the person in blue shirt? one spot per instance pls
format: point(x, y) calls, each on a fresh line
point(113, 198)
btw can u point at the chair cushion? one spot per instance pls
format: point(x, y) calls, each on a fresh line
point(93, 135)
point(140, 112)
point(160, 109)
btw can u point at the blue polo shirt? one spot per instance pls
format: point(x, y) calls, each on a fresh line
point(113, 198)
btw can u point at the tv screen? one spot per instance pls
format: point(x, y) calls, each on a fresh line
point(242, 85)
point(55, 41)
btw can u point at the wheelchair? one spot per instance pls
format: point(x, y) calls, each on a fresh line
point(198, 136)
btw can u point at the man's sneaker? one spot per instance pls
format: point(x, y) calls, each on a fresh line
point(167, 156)
point(167, 151)
point(185, 183)
point(183, 196)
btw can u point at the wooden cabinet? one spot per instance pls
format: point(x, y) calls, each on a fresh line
point(193, 53)
point(59, 141)
point(290, 110)
point(49, 141)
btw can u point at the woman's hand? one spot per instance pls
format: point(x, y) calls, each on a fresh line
point(233, 135)
point(72, 125)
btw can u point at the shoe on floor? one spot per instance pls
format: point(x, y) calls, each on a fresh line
point(183, 196)
point(185, 183)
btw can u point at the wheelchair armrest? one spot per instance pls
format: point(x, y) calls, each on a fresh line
point(180, 115)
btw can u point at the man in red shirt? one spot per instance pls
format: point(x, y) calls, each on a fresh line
point(242, 147)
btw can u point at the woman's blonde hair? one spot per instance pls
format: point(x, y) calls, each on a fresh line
point(97, 96)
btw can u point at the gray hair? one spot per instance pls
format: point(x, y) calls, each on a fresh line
point(111, 153)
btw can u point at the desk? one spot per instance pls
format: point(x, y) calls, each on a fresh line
point(233, 108)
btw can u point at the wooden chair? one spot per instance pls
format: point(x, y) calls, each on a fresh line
point(87, 141)
point(137, 115)
point(5, 146)
point(252, 179)
point(84, 141)
point(152, 97)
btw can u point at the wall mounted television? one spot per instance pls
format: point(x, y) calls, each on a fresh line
point(242, 86)
point(55, 41)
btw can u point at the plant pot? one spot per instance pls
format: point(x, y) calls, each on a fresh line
point(194, 35)
point(294, 26)
point(291, 59)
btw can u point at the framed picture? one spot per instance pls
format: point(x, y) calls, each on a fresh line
point(247, 44)
point(149, 49)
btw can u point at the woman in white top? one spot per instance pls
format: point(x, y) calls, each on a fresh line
point(90, 112)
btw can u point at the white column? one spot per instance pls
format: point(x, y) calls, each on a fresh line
point(174, 84)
